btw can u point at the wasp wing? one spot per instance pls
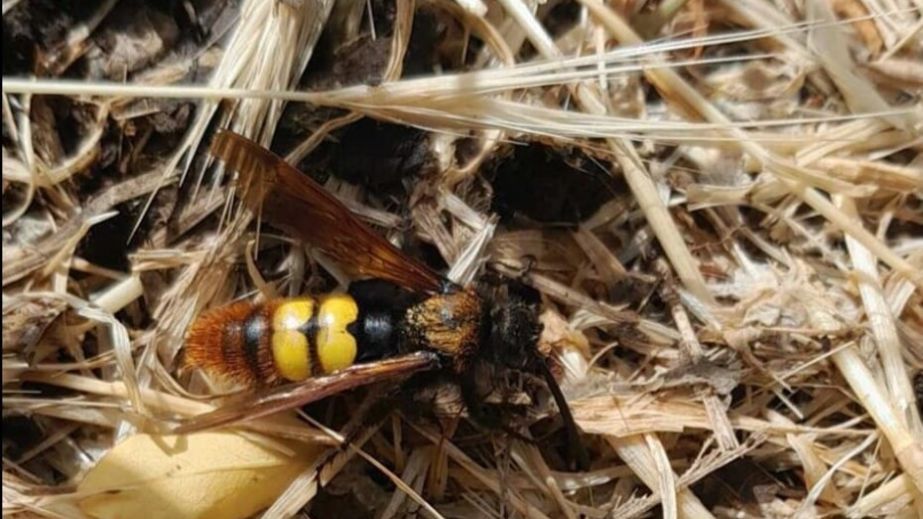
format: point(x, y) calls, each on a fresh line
point(281, 398)
point(296, 203)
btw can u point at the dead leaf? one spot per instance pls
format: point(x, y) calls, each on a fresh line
point(205, 475)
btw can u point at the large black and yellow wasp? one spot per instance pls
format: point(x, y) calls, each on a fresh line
point(400, 319)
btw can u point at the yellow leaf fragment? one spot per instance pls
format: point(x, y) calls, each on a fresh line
point(203, 475)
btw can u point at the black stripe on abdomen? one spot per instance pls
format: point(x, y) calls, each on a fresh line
point(310, 329)
point(255, 328)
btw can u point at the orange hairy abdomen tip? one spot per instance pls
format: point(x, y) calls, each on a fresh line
point(215, 343)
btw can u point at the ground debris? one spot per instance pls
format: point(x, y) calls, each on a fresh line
point(717, 206)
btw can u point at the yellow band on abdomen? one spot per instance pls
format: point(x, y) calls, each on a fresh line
point(290, 348)
point(336, 347)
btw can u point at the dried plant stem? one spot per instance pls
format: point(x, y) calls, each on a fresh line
point(74, 44)
point(884, 329)
point(304, 148)
point(119, 295)
point(116, 338)
point(716, 410)
point(641, 453)
point(811, 462)
point(155, 399)
point(823, 483)
point(412, 476)
point(530, 459)
point(898, 488)
point(790, 175)
point(465, 102)
point(907, 450)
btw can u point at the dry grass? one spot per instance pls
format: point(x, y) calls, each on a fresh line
point(740, 327)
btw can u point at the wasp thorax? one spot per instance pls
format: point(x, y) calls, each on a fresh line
point(448, 323)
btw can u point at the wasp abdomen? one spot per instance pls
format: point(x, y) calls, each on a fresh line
point(278, 341)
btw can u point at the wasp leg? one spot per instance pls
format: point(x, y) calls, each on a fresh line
point(489, 418)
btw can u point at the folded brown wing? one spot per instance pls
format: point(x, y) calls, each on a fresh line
point(281, 398)
point(296, 203)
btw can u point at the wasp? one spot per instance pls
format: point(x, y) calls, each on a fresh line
point(400, 319)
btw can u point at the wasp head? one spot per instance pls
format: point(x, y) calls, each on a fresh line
point(514, 327)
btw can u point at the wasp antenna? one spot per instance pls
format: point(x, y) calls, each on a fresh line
point(576, 452)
